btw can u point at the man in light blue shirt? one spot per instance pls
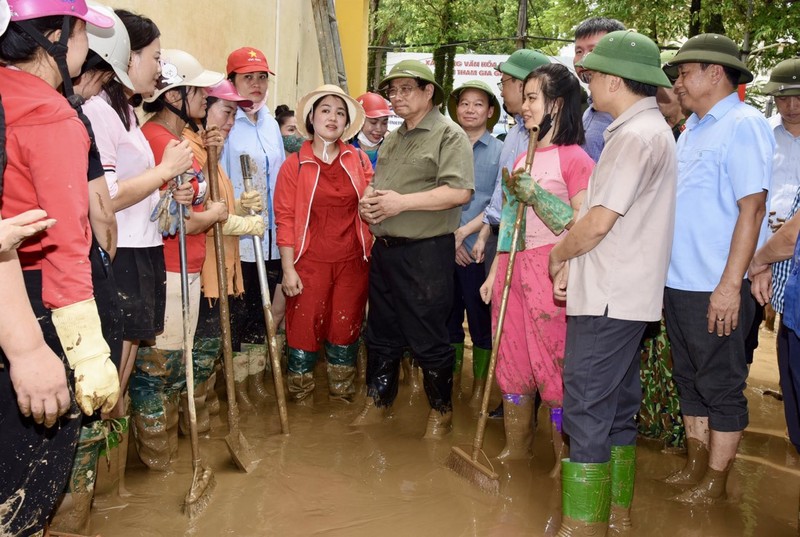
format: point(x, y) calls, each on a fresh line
point(587, 35)
point(512, 72)
point(724, 167)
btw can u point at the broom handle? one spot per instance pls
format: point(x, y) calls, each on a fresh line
point(501, 314)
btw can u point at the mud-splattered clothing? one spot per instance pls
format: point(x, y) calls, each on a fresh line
point(532, 345)
point(316, 207)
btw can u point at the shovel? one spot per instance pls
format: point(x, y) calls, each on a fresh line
point(468, 467)
point(275, 360)
point(203, 481)
point(240, 450)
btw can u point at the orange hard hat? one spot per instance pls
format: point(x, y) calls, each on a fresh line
point(374, 105)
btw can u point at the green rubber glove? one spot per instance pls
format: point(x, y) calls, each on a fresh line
point(507, 217)
point(552, 210)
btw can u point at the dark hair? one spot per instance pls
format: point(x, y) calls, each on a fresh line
point(141, 31)
point(730, 73)
point(310, 126)
point(17, 46)
point(282, 114)
point(640, 88)
point(597, 25)
point(558, 82)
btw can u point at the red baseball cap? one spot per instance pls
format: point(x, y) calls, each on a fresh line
point(247, 60)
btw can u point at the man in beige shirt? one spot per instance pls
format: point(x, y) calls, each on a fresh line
point(611, 270)
point(424, 174)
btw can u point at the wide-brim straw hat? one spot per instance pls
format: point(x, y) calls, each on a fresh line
point(354, 110)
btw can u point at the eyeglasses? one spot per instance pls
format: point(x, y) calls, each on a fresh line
point(503, 81)
point(401, 91)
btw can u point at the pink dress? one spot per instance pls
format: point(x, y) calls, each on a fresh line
point(531, 353)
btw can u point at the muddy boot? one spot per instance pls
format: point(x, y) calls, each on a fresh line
point(342, 371)
point(300, 378)
point(560, 448)
point(585, 498)
point(212, 399)
point(696, 464)
point(411, 373)
point(256, 369)
point(383, 380)
point(73, 512)
point(113, 459)
point(623, 473)
point(240, 373)
point(457, 366)
point(148, 417)
point(517, 411)
point(172, 411)
point(370, 414)
point(710, 489)
point(480, 368)
point(439, 389)
point(201, 410)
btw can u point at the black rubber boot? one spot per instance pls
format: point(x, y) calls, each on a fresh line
point(383, 379)
point(439, 388)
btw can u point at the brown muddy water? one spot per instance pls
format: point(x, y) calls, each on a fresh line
point(328, 479)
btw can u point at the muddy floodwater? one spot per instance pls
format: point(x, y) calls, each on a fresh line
point(328, 479)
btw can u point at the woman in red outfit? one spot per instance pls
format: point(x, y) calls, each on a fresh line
point(324, 245)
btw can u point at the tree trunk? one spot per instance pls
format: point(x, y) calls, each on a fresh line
point(522, 23)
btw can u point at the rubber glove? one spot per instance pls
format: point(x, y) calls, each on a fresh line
point(552, 210)
point(244, 225)
point(96, 378)
point(249, 201)
point(508, 216)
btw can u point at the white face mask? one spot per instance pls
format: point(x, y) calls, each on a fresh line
point(256, 107)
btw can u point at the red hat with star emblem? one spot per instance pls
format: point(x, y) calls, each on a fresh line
point(247, 60)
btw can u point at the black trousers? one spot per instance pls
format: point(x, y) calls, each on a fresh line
point(247, 314)
point(602, 390)
point(35, 462)
point(466, 297)
point(410, 298)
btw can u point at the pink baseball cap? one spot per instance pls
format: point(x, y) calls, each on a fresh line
point(227, 92)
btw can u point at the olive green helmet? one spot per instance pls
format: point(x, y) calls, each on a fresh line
point(784, 79)
point(629, 55)
point(522, 62)
point(412, 69)
point(713, 49)
point(452, 102)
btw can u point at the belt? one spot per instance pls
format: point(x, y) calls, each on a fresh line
point(390, 242)
point(495, 230)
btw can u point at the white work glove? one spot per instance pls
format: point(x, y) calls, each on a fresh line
point(244, 225)
point(96, 378)
point(249, 201)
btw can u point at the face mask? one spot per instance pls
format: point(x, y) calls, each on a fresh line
point(256, 107)
point(292, 143)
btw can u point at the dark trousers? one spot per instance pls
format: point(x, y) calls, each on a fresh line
point(35, 462)
point(490, 251)
point(710, 371)
point(602, 390)
point(410, 298)
point(789, 369)
point(466, 297)
point(247, 314)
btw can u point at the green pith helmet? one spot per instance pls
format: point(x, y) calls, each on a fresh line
point(522, 62)
point(627, 54)
point(412, 69)
point(784, 79)
point(709, 48)
point(452, 102)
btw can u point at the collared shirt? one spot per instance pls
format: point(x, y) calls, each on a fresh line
point(782, 269)
point(263, 142)
point(514, 145)
point(623, 276)
point(486, 160)
point(785, 169)
point(595, 124)
point(722, 158)
point(434, 153)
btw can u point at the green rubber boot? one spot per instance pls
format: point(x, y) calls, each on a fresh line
point(457, 365)
point(342, 371)
point(480, 368)
point(623, 472)
point(300, 377)
point(74, 510)
point(585, 498)
point(110, 491)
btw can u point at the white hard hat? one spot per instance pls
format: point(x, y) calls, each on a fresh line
point(5, 16)
point(179, 68)
point(112, 44)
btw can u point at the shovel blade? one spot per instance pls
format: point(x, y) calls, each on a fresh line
point(242, 454)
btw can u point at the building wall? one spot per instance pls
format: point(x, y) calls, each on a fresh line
point(282, 29)
point(353, 19)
